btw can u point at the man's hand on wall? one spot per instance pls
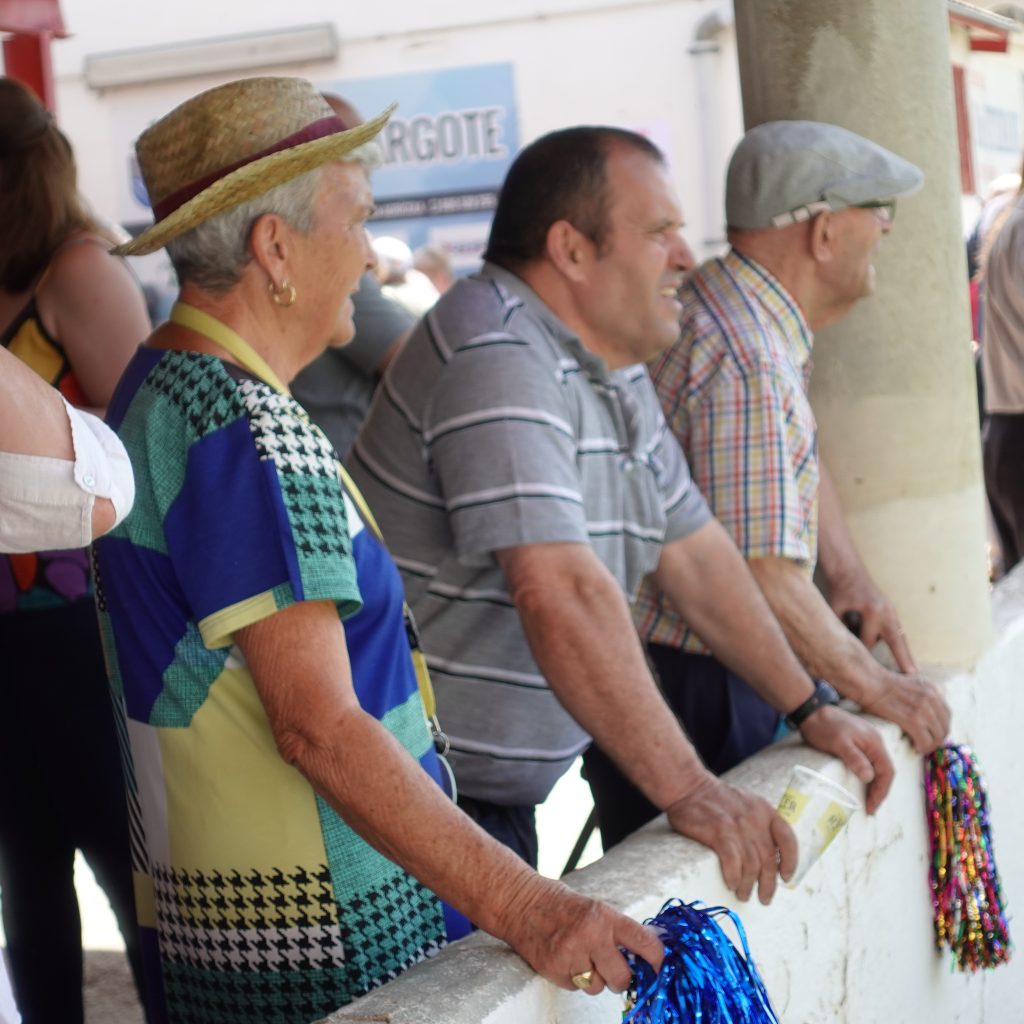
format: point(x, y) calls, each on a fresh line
point(754, 844)
point(871, 615)
point(859, 746)
point(916, 706)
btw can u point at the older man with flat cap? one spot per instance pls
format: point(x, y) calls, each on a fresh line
point(807, 205)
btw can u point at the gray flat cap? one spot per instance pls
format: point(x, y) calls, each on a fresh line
point(783, 172)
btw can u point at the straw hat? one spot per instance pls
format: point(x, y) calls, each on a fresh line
point(233, 143)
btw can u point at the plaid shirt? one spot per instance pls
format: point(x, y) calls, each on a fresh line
point(734, 392)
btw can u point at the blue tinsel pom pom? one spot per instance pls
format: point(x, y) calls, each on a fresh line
point(704, 978)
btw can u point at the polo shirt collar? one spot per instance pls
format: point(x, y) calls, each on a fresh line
point(592, 364)
point(777, 301)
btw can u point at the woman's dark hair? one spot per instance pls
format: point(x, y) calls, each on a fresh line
point(561, 176)
point(39, 201)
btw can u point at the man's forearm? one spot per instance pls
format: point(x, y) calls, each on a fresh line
point(849, 588)
point(581, 633)
point(734, 619)
point(837, 556)
point(829, 650)
point(823, 644)
point(707, 581)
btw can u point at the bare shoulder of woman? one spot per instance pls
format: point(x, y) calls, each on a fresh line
point(93, 306)
point(81, 256)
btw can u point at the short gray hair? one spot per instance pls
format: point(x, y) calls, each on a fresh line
point(214, 254)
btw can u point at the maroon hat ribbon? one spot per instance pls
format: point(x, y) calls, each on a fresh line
point(317, 130)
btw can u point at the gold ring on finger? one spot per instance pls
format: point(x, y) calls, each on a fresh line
point(584, 979)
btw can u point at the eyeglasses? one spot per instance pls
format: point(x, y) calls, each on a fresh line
point(884, 210)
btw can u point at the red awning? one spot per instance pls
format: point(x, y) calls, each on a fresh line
point(985, 29)
point(32, 16)
point(31, 25)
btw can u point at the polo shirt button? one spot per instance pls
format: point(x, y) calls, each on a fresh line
point(89, 480)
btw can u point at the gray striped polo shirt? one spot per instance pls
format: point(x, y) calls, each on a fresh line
point(495, 427)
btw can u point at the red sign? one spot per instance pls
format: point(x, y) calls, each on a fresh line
point(31, 16)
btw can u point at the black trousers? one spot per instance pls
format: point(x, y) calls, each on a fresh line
point(61, 790)
point(723, 717)
point(1002, 445)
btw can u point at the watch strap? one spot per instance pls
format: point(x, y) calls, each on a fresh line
point(823, 694)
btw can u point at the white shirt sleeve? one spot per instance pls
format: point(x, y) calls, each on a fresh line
point(47, 503)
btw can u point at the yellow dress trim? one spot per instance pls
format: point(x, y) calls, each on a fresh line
point(218, 629)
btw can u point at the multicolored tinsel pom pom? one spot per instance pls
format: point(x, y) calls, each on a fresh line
point(967, 899)
point(703, 976)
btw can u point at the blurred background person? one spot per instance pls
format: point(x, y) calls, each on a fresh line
point(435, 264)
point(999, 199)
point(1002, 363)
point(398, 278)
point(337, 387)
point(73, 315)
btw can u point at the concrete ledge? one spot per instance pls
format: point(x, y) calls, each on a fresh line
point(852, 945)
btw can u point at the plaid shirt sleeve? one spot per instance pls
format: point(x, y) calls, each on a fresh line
point(753, 459)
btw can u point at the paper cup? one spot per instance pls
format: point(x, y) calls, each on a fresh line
point(817, 810)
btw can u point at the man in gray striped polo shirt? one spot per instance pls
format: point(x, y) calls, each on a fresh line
point(520, 467)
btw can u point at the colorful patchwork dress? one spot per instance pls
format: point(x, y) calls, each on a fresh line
point(256, 901)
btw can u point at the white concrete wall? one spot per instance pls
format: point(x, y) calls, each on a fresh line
point(852, 945)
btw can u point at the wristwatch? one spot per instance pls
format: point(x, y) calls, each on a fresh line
point(823, 694)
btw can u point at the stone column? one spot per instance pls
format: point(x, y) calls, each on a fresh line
point(893, 386)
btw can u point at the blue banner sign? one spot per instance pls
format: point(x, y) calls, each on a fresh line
point(446, 150)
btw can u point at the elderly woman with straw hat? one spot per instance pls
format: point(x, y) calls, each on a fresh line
point(291, 842)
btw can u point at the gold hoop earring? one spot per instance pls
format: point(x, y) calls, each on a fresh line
point(283, 296)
